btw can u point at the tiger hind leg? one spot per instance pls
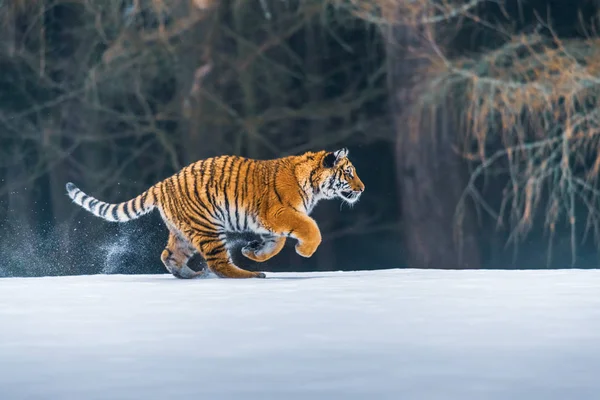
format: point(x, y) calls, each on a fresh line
point(176, 256)
point(261, 251)
point(217, 256)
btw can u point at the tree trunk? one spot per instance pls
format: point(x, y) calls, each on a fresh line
point(200, 138)
point(325, 259)
point(431, 177)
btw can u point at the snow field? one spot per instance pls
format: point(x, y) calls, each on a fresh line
point(395, 334)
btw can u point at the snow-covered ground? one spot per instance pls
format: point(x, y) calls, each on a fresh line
point(397, 334)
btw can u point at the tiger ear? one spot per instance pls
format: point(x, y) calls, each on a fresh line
point(332, 159)
point(329, 160)
point(341, 153)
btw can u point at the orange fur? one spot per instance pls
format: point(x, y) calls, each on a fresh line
point(210, 198)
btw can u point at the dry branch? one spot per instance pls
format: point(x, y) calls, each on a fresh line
point(537, 98)
point(119, 91)
point(411, 12)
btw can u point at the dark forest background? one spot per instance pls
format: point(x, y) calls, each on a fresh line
point(474, 124)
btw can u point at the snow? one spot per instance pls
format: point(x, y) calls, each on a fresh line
point(395, 334)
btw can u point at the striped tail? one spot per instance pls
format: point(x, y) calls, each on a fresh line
point(122, 212)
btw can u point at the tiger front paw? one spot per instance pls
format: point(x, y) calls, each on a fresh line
point(306, 249)
point(252, 249)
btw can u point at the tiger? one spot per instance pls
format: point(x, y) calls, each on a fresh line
point(211, 198)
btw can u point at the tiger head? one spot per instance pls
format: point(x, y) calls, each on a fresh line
point(338, 177)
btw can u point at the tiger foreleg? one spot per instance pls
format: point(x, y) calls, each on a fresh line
point(218, 259)
point(261, 251)
point(302, 228)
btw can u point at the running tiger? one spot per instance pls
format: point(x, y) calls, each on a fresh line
point(210, 198)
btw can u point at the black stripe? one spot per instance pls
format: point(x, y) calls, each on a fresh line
point(303, 195)
point(230, 181)
point(115, 212)
point(183, 194)
point(210, 189)
point(188, 200)
point(134, 209)
point(215, 204)
point(198, 231)
point(156, 193)
point(235, 193)
point(224, 173)
point(227, 175)
point(209, 230)
point(211, 177)
point(143, 202)
point(210, 259)
point(197, 193)
point(222, 187)
point(167, 206)
point(275, 183)
point(209, 240)
point(178, 210)
point(103, 208)
point(227, 208)
point(204, 206)
point(292, 207)
point(205, 172)
point(126, 210)
point(218, 249)
point(196, 221)
point(83, 198)
point(311, 178)
point(201, 167)
point(244, 198)
point(254, 197)
point(93, 204)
